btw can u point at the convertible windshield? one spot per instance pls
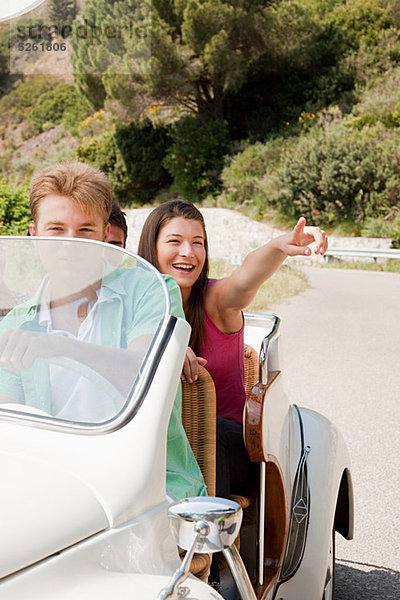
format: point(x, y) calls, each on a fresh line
point(78, 321)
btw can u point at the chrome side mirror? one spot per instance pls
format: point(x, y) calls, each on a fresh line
point(223, 517)
point(201, 525)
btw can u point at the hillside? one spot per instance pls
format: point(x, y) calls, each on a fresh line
point(249, 235)
point(21, 147)
point(279, 112)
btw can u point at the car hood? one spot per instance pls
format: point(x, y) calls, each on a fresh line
point(43, 510)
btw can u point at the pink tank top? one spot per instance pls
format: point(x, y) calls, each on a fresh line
point(225, 355)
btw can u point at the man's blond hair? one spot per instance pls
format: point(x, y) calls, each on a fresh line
point(85, 184)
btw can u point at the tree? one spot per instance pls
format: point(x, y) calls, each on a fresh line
point(188, 54)
point(4, 52)
point(196, 155)
point(62, 13)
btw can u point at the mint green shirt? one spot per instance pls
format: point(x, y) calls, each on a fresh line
point(184, 477)
point(132, 311)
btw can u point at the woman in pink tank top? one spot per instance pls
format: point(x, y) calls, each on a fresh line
point(174, 240)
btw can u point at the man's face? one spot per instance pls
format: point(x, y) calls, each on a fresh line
point(115, 236)
point(70, 266)
point(61, 216)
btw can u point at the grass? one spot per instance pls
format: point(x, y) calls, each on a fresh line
point(390, 266)
point(286, 282)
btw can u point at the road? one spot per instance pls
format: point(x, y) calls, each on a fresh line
point(340, 356)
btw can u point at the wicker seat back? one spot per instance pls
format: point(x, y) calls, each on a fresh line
point(199, 420)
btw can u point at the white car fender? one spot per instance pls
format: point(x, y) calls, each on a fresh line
point(330, 484)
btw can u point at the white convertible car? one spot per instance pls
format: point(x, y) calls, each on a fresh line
point(86, 392)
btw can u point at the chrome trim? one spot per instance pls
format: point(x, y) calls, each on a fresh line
point(263, 379)
point(263, 317)
point(201, 529)
point(239, 573)
point(215, 522)
point(136, 397)
point(266, 342)
point(261, 522)
point(299, 518)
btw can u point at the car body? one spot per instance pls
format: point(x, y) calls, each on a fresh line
point(84, 508)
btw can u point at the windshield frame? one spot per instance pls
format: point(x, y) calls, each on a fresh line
point(140, 386)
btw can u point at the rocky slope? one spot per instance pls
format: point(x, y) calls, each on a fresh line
point(232, 235)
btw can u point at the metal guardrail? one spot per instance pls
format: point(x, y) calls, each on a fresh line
point(374, 253)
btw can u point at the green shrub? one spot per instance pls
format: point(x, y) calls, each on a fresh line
point(387, 227)
point(362, 121)
point(87, 151)
point(75, 113)
point(100, 152)
point(249, 179)
point(14, 209)
point(63, 103)
point(142, 147)
point(132, 157)
point(330, 175)
point(196, 154)
point(379, 103)
point(361, 20)
point(333, 175)
point(19, 102)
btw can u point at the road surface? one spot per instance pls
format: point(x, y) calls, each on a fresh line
point(341, 356)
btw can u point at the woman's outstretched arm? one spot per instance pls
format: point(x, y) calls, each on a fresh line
point(227, 297)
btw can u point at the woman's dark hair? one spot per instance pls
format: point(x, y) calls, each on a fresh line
point(156, 220)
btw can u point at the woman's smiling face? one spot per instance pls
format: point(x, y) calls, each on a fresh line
point(181, 252)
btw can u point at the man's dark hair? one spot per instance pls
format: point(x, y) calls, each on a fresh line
point(118, 218)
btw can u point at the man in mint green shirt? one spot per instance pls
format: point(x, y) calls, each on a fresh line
point(74, 200)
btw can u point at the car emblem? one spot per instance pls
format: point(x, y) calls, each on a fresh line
point(300, 510)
